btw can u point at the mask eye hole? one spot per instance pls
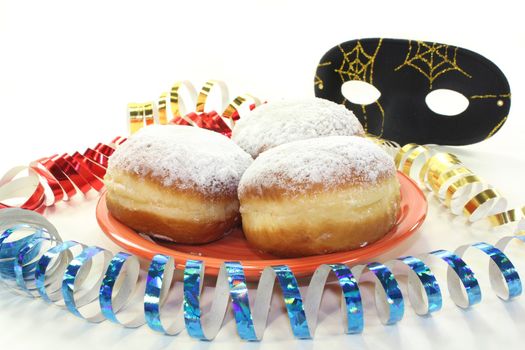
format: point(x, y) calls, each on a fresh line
point(360, 92)
point(446, 102)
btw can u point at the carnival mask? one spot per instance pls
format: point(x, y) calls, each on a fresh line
point(405, 72)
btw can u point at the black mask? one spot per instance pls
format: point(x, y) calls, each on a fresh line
point(405, 72)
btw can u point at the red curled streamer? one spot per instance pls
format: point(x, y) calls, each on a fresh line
point(58, 178)
point(50, 180)
point(63, 176)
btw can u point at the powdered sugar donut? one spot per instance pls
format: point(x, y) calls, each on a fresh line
point(177, 183)
point(318, 196)
point(279, 122)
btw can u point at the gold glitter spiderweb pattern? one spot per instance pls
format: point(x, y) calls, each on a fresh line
point(432, 60)
point(318, 82)
point(358, 64)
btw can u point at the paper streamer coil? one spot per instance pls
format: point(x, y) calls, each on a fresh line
point(452, 183)
point(50, 180)
point(184, 106)
point(57, 275)
point(457, 187)
point(35, 261)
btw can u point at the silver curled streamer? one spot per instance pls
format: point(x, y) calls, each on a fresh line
point(36, 262)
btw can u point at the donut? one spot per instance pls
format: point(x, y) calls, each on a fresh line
point(176, 183)
point(279, 122)
point(319, 196)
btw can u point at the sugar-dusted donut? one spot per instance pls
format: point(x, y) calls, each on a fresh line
point(275, 123)
point(319, 196)
point(177, 183)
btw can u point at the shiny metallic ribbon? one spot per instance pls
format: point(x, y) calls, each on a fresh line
point(61, 275)
point(34, 261)
point(183, 105)
point(50, 180)
point(456, 186)
point(452, 183)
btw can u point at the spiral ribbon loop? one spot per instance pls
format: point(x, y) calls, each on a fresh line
point(67, 278)
point(53, 179)
point(452, 183)
point(187, 107)
point(49, 180)
point(94, 284)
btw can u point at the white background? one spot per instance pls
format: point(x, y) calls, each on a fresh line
point(68, 69)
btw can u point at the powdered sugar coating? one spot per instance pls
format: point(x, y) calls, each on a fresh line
point(190, 157)
point(323, 163)
point(279, 122)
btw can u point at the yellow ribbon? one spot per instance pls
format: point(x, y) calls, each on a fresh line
point(183, 99)
point(456, 186)
point(441, 173)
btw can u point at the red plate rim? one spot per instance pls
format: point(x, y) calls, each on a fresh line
point(413, 213)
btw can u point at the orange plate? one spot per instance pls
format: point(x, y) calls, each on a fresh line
point(234, 247)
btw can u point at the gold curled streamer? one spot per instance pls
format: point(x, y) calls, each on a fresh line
point(441, 173)
point(161, 108)
point(135, 117)
point(446, 177)
point(506, 217)
point(451, 174)
point(234, 106)
point(458, 184)
point(202, 98)
point(478, 200)
point(177, 104)
point(141, 114)
point(402, 151)
point(149, 113)
point(412, 156)
point(437, 166)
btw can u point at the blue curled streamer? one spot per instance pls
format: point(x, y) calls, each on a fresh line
point(514, 286)
point(16, 254)
point(111, 301)
point(240, 301)
point(193, 273)
point(351, 303)
point(395, 303)
point(293, 301)
point(22, 267)
point(41, 270)
point(53, 274)
point(153, 294)
point(429, 283)
point(504, 265)
point(352, 298)
point(464, 274)
point(69, 282)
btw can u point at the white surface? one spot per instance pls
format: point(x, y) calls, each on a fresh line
point(67, 70)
